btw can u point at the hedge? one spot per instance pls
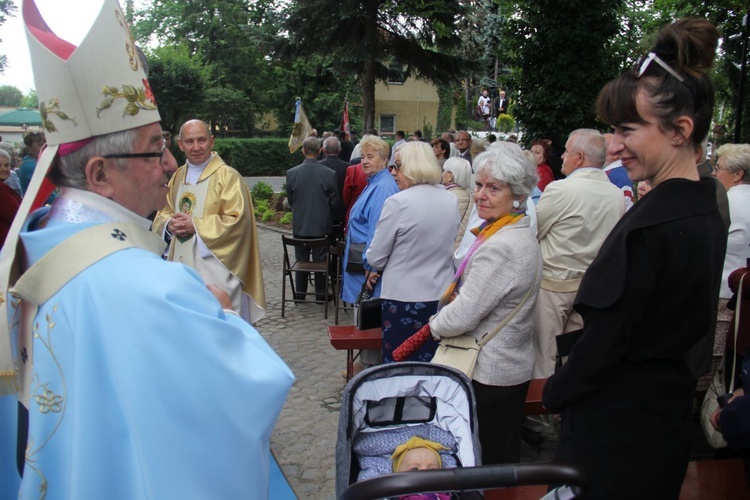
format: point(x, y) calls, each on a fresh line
point(267, 157)
point(256, 157)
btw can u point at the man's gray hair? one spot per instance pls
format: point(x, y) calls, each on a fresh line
point(506, 162)
point(332, 145)
point(70, 170)
point(591, 143)
point(311, 146)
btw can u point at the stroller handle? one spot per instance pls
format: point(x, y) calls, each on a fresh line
point(465, 479)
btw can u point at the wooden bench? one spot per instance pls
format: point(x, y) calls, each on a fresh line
point(704, 480)
point(350, 338)
point(533, 404)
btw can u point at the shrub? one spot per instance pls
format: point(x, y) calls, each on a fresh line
point(258, 157)
point(505, 123)
point(268, 215)
point(260, 207)
point(286, 218)
point(261, 191)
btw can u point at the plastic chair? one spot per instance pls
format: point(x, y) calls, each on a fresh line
point(313, 268)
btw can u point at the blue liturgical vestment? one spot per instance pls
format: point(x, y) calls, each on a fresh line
point(142, 386)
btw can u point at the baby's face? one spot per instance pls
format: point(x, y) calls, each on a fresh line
point(419, 459)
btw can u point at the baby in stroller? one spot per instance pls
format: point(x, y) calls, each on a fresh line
point(419, 454)
point(391, 411)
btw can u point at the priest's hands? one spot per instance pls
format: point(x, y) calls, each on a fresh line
point(181, 225)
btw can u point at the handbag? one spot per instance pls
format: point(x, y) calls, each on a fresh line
point(368, 311)
point(354, 261)
point(716, 389)
point(461, 352)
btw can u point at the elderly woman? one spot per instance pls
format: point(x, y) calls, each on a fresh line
point(542, 150)
point(363, 219)
point(413, 246)
point(9, 199)
point(503, 265)
point(626, 391)
point(442, 150)
point(733, 171)
point(457, 180)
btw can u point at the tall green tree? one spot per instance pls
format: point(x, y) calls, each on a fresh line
point(10, 96)
point(178, 81)
point(727, 16)
point(30, 100)
point(564, 54)
point(365, 36)
point(222, 34)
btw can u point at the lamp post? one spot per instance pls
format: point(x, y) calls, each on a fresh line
point(741, 92)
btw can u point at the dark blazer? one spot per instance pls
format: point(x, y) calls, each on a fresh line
point(339, 167)
point(311, 192)
point(502, 106)
point(626, 392)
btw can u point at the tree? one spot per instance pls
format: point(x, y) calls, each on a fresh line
point(178, 82)
point(562, 65)
point(220, 33)
point(10, 96)
point(6, 9)
point(365, 36)
point(30, 100)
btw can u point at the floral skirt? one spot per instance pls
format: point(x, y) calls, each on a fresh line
point(401, 320)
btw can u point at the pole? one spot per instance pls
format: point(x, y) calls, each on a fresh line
point(743, 77)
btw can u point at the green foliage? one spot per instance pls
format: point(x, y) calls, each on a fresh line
point(30, 100)
point(562, 65)
point(261, 191)
point(10, 96)
point(286, 219)
point(7, 8)
point(268, 215)
point(420, 35)
point(261, 206)
point(445, 107)
point(258, 157)
point(178, 81)
point(505, 123)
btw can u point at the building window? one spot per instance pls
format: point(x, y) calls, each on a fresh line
point(395, 74)
point(387, 124)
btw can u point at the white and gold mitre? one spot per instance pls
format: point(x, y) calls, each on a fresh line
point(94, 89)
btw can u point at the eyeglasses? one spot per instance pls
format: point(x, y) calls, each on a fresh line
point(642, 64)
point(717, 168)
point(154, 154)
point(394, 166)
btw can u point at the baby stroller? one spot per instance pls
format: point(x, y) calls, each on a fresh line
point(385, 405)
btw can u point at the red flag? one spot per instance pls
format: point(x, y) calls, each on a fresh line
point(345, 118)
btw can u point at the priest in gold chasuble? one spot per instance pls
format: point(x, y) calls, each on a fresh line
point(209, 215)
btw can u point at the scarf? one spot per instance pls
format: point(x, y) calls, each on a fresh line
point(483, 233)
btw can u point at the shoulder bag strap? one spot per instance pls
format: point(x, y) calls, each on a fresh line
point(487, 337)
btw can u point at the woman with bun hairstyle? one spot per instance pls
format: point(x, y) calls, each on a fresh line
point(625, 393)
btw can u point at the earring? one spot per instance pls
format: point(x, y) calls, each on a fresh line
point(516, 204)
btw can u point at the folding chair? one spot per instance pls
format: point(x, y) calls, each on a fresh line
point(313, 268)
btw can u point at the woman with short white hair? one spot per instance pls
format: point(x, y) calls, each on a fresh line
point(501, 271)
point(457, 180)
point(413, 246)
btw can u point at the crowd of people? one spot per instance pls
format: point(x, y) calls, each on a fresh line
point(459, 233)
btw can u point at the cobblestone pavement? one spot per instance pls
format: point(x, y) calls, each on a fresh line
point(304, 440)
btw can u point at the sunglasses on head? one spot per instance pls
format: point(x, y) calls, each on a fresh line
point(642, 64)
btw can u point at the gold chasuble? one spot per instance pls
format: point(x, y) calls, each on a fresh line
point(224, 219)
